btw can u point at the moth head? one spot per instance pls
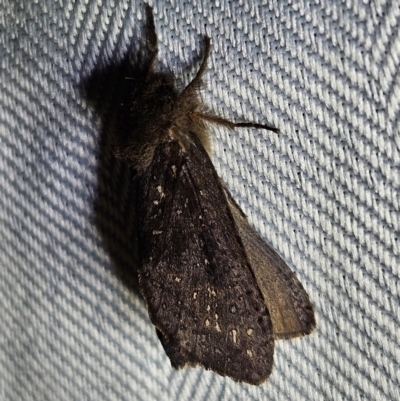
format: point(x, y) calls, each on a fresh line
point(145, 116)
point(155, 112)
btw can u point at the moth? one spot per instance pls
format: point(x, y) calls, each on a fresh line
point(218, 295)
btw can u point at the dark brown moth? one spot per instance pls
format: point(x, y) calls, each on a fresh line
point(218, 295)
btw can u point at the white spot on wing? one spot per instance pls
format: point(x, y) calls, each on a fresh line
point(160, 191)
point(234, 335)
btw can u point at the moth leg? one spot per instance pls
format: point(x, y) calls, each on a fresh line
point(151, 37)
point(230, 124)
point(196, 83)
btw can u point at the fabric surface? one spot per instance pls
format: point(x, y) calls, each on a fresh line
point(324, 193)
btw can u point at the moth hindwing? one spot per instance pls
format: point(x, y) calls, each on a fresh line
point(217, 294)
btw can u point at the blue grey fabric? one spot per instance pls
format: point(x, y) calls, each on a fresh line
point(325, 192)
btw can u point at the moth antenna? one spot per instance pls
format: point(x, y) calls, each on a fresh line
point(151, 37)
point(230, 124)
point(196, 82)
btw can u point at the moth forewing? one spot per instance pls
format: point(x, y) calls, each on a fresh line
point(200, 291)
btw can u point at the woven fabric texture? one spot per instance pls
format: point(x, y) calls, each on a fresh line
point(325, 193)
